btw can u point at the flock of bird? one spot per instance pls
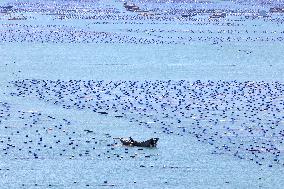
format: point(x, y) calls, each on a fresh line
point(35, 135)
point(244, 24)
point(243, 119)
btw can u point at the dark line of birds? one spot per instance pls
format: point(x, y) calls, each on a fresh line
point(55, 34)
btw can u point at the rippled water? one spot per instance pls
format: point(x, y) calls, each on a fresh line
point(187, 162)
point(177, 162)
point(127, 62)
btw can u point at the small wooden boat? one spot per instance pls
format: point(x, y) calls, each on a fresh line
point(132, 7)
point(103, 113)
point(9, 7)
point(276, 10)
point(17, 18)
point(218, 15)
point(147, 143)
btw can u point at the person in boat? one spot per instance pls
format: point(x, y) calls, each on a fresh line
point(131, 140)
point(152, 142)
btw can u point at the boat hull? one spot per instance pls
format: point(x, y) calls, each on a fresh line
point(148, 143)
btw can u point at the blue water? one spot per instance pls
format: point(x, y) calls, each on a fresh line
point(93, 61)
point(178, 161)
